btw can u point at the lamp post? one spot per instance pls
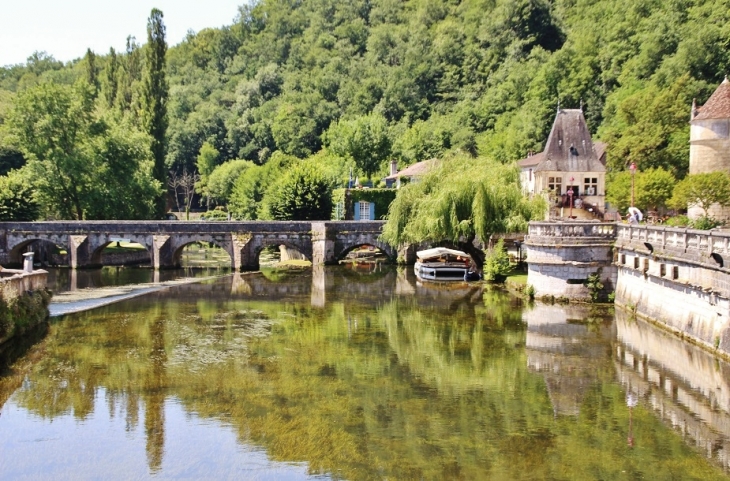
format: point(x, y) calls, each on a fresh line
point(570, 197)
point(632, 168)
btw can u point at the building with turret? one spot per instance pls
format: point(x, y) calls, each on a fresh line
point(709, 140)
point(571, 169)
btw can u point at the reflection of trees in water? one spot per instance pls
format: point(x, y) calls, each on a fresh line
point(407, 390)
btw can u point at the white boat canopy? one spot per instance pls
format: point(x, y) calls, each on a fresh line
point(437, 252)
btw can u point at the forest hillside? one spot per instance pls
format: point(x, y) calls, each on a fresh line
point(355, 84)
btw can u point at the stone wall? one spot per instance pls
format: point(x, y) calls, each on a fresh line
point(561, 257)
point(14, 283)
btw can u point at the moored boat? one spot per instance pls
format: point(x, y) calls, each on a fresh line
point(442, 264)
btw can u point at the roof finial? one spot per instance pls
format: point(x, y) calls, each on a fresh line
point(581, 104)
point(693, 112)
point(558, 105)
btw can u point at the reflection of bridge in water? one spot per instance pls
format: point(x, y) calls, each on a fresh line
point(322, 242)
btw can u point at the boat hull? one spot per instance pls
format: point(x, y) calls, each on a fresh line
point(440, 273)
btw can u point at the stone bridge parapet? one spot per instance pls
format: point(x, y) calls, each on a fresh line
point(320, 242)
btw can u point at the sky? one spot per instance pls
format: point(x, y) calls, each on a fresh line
point(66, 28)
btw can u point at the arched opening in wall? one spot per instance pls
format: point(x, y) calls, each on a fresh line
point(282, 255)
point(202, 255)
point(45, 254)
point(121, 251)
point(364, 258)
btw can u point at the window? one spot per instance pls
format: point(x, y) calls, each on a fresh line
point(590, 185)
point(364, 210)
point(662, 270)
point(555, 184)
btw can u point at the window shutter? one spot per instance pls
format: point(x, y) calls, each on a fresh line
point(356, 205)
point(372, 210)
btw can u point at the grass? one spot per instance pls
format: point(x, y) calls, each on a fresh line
point(124, 247)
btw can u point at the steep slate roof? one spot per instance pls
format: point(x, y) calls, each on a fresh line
point(569, 147)
point(718, 105)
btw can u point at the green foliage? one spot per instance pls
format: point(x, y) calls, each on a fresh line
point(303, 193)
point(10, 158)
point(677, 221)
point(705, 223)
point(223, 178)
point(216, 215)
point(155, 93)
point(81, 165)
point(496, 263)
point(245, 202)
point(459, 200)
point(652, 189)
point(702, 190)
point(365, 140)
point(19, 314)
point(594, 285)
point(382, 198)
point(17, 198)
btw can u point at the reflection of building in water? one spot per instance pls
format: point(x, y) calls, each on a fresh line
point(686, 386)
point(567, 353)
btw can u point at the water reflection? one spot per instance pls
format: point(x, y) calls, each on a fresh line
point(334, 373)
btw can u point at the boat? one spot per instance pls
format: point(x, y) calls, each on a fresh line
point(442, 264)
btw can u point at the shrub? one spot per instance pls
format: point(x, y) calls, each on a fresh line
point(677, 221)
point(496, 263)
point(705, 223)
point(215, 215)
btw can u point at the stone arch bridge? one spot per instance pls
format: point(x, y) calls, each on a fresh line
point(321, 242)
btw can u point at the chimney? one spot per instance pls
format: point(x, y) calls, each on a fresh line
point(393, 167)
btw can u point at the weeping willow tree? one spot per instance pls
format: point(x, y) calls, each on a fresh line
point(462, 201)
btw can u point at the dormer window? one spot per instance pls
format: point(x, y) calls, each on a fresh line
point(573, 151)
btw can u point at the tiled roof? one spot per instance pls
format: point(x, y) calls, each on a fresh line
point(718, 105)
point(532, 160)
point(415, 170)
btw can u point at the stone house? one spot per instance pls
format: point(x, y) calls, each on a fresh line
point(571, 167)
point(709, 140)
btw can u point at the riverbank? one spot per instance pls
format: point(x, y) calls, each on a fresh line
point(24, 302)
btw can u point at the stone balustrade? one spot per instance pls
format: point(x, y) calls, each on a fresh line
point(690, 241)
point(567, 230)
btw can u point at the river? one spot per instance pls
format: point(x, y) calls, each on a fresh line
point(339, 373)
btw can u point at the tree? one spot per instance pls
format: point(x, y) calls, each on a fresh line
point(304, 193)
point(155, 93)
point(251, 186)
point(111, 80)
point(224, 177)
point(183, 184)
point(82, 166)
point(364, 140)
point(460, 201)
point(206, 163)
point(92, 73)
point(17, 199)
point(652, 189)
point(702, 190)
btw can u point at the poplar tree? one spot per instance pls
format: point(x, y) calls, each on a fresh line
point(111, 79)
point(155, 92)
point(92, 77)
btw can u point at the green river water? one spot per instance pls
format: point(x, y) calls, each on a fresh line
point(335, 373)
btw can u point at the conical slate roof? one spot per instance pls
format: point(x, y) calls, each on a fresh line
point(718, 105)
point(569, 147)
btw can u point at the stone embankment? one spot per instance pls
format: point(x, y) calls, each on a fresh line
point(24, 300)
point(677, 278)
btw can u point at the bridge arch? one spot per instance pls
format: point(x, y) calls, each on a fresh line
point(385, 249)
point(97, 246)
point(264, 243)
point(36, 244)
point(179, 244)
